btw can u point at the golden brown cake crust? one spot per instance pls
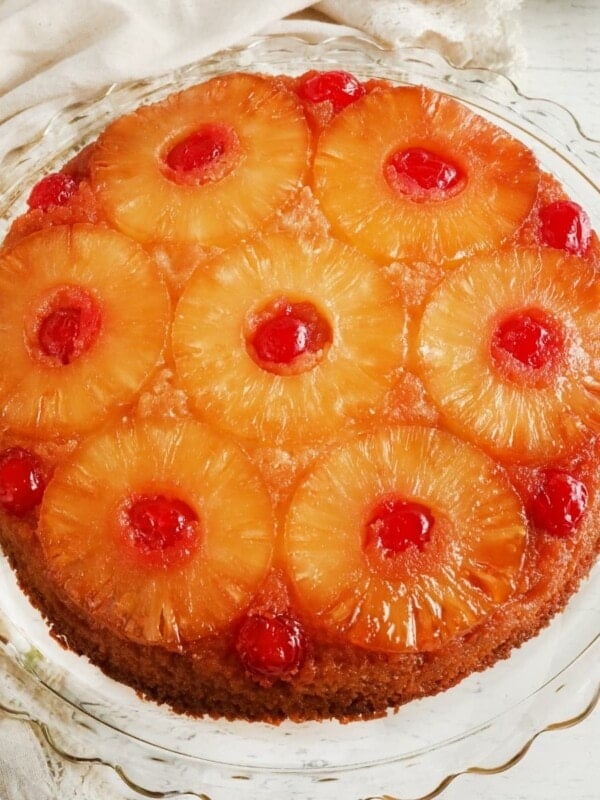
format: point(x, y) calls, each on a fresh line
point(336, 680)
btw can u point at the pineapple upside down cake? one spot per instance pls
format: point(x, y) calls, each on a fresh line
point(300, 397)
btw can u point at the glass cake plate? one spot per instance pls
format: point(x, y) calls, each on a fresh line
point(485, 724)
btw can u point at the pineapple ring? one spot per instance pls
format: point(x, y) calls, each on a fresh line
point(349, 381)
point(128, 174)
point(81, 535)
point(350, 182)
point(514, 420)
point(469, 567)
point(46, 399)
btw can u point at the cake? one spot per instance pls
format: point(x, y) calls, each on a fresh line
point(300, 397)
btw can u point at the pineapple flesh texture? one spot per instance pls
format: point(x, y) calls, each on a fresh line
point(139, 197)
point(82, 536)
point(350, 182)
point(232, 391)
point(514, 420)
point(421, 599)
point(46, 400)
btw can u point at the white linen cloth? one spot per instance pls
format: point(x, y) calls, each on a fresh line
point(470, 33)
point(57, 51)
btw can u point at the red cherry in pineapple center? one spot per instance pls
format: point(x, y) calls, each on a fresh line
point(531, 337)
point(271, 646)
point(284, 332)
point(68, 325)
point(282, 339)
point(396, 524)
point(163, 529)
point(560, 502)
point(58, 333)
point(424, 175)
point(22, 481)
point(338, 87)
point(209, 154)
point(197, 151)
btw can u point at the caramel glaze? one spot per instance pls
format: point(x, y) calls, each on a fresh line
point(336, 679)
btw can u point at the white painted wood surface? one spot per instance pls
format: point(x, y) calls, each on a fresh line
point(563, 43)
point(562, 38)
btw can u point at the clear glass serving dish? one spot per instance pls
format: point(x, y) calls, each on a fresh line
point(485, 724)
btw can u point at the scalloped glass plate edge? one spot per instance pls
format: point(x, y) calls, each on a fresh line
point(560, 134)
point(139, 771)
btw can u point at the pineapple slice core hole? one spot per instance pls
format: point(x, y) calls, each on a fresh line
point(158, 530)
point(528, 345)
point(422, 175)
point(394, 525)
point(206, 156)
point(64, 326)
point(286, 337)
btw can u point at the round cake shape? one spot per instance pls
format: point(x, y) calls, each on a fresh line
point(311, 561)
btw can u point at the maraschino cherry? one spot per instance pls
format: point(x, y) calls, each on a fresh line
point(338, 87)
point(198, 150)
point(271, 646)
point(22, 481)
point(69, 325)
point(162, 529)
point(53, 190)
point(397, 524)
point(423, 175)
point(531, 337)
point(565, 226)
point(206, 155)
point(560, 502)
point(287, 331)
